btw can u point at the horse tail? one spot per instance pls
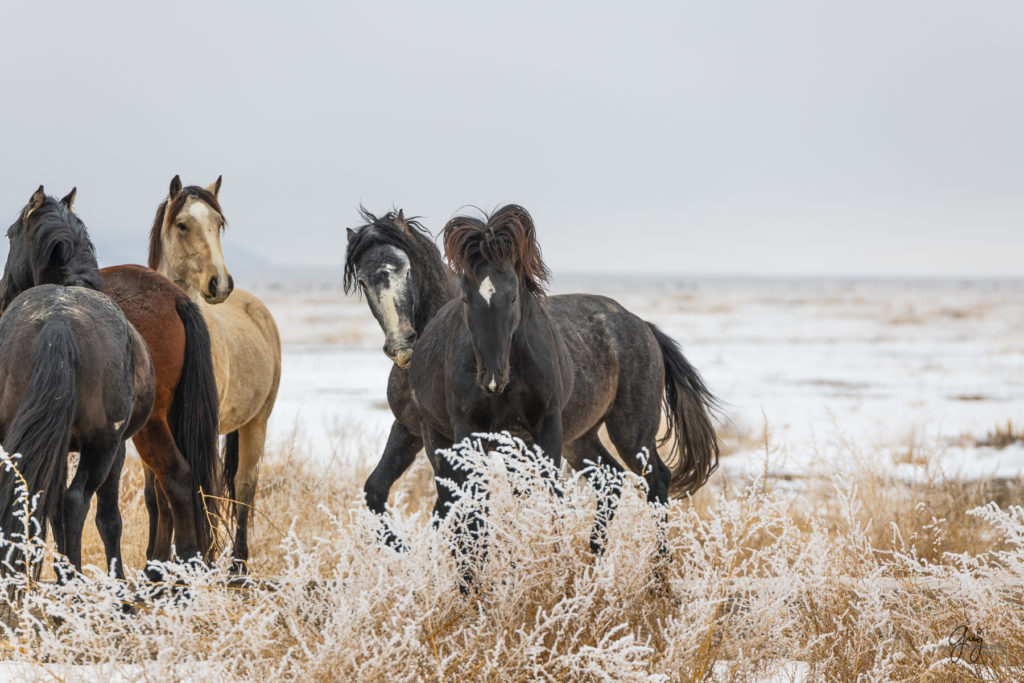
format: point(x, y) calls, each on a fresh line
point(41, 431)
point(194, 417)
point(689, 407)
point(231, 466)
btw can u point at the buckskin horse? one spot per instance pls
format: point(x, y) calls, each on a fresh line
point(184, 245)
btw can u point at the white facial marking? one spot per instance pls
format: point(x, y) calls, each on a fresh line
point(117, 425)
point(390, 293)
point(203, 214)
point(494, 384)
point(487, 289)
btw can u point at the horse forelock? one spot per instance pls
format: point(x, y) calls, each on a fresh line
point(168, 210)
point(507, 240)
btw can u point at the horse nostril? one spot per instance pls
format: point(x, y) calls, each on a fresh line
point(411, 339)
point(213, 286)
point(231, 284)
point(388, 350)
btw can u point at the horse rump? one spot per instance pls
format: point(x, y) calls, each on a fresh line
point(689, 407)
point(41, 433)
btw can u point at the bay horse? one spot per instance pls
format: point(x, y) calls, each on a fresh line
point(74, 376)
point(505, 357)
point(184, 245)
point(394, 262)
point(178, 444)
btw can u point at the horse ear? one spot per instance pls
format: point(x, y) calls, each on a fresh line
point(401, 222)
point(35, 201)
point(175, 187)
point(351, 234)
point(70, 198)
point(214, 187)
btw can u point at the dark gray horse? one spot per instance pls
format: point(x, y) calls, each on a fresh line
point(619, 368)
point(394, 262)
point(76, 377)
point(504, 357)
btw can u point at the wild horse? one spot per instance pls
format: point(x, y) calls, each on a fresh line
point(178, 444)
point(394, 262)
point(184, 245)
point(74, 376)
point(619, 369)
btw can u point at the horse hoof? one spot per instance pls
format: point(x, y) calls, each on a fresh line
point(239, 568)
point(154, 572)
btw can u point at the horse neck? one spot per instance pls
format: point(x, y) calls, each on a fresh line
point(533, 316)
point(437, 289)
point(84, 275)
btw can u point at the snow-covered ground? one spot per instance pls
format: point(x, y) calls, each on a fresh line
point(832, 365)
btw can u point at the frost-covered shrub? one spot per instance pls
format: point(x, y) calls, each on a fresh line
point(822, 581)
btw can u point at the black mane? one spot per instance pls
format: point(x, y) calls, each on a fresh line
point(49, 246)
point(417, 244)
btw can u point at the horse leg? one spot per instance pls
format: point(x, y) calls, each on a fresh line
point(398, 454)
point(108, 514)
point(167, 498)
point(251, 439)
point(631, 436)
point(59, 539)
point(604, 476)
point(94, 464)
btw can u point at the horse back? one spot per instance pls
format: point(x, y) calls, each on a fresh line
point(609, 350)
point(105, 381)
point(149, 302)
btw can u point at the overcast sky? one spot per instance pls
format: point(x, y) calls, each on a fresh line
point(711, 138)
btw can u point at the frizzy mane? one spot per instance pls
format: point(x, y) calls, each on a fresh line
point(506, 241)
point(201, 193)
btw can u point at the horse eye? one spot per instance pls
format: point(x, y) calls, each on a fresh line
point(182, 227)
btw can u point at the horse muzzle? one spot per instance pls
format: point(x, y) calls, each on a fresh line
point(402, 358)
point(493, 383)
point(219, 289)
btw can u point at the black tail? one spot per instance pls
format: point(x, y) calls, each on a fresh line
point(231, 467)
point(41, 432)
point(194, 420)
point(689, 407)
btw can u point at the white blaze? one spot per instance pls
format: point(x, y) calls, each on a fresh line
point(487, 289)
point(493, 385)
point(389, 294)
point(201, 212)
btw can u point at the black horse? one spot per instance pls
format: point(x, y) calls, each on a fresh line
point(620, 370)
point(74, 376)
point(394, 262)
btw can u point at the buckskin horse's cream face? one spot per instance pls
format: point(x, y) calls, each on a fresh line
point(191, 249)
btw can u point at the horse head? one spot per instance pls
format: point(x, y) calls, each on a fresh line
point(501, 269)
point(394, 263)
point(184, 243)
point(48, 245)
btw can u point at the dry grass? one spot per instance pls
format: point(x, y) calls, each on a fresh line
point(846, 574)
point(1003, 436)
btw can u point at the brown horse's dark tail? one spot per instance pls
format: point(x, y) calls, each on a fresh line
point(689, 407)
point(194, 418)
point(41, 433)
point(231, 467)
